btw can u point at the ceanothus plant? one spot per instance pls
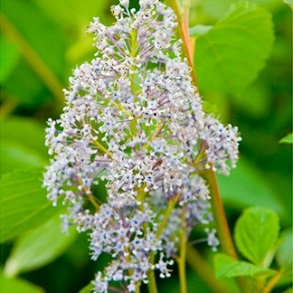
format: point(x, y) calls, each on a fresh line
point(134, 120)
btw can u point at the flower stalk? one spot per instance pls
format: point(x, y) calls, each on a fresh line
point(219, 214)
point(181, 259)
point(209, 174)
point(183, 25)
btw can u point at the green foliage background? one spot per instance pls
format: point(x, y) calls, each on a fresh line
point(43, 40)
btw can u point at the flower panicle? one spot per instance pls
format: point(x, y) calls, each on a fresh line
point(134, 120)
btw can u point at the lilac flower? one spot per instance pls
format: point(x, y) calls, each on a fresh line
point(134, 120)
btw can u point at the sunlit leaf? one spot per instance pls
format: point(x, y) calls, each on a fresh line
point(226, 57)
point(287, 139)
point(15, 285)
point(289, 2)
point(15, 156)
point(87, 289)
point(284, 254)
point(266, 3)
point(199, 29)
point(214, 9)
point(38, 31)
point(23, 144)
point(74, 16)
point(284, 257)
point(38, 247)
point(23, 203)
point(256, 233)
point(227, 267)
point(25, 131)
point(75, 13)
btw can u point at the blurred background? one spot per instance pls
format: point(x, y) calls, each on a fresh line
point(42, 41)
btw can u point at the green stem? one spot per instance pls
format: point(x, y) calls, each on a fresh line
point(155, 134)
point(200, 156)
point(134, 45)
point(219, 214)
point(89, 195)
point(121, 108)
point(200, 266)
point(102, 148)
point(157, 131)
point(217, 205)
point(182, 258)
point(259, 283)
point(152, 286)
point(272, 283)
point(137, 289)
point(133, 50)
point(7, 107)
point(221, 222)
point(168, 212)
point(33, 59)
point(182, 272)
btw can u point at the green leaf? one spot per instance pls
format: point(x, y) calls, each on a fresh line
point(284, 257)
point(73, 13)
point(210, 108)
point(246, 187)
point(23, 203)
point(253, 101)
point(38, 247)
point(287, 139)
point(87, 289)
point(74, 16)
point(15, 156)
point(284, 253)
point(286, 276)
point(267, 3)
point(213, 9)
point(227, 58)
point(289, 2)
point(199, 29)
point(8, 58)
point(15, 285)
point(38, 31)
point(25, 131)
point(227, 267)
point(29, 90)
point(256, 233)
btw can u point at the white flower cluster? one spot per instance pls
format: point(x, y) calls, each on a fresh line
point(133, 119)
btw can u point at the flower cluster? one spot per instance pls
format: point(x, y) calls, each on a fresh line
point(134, 121)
